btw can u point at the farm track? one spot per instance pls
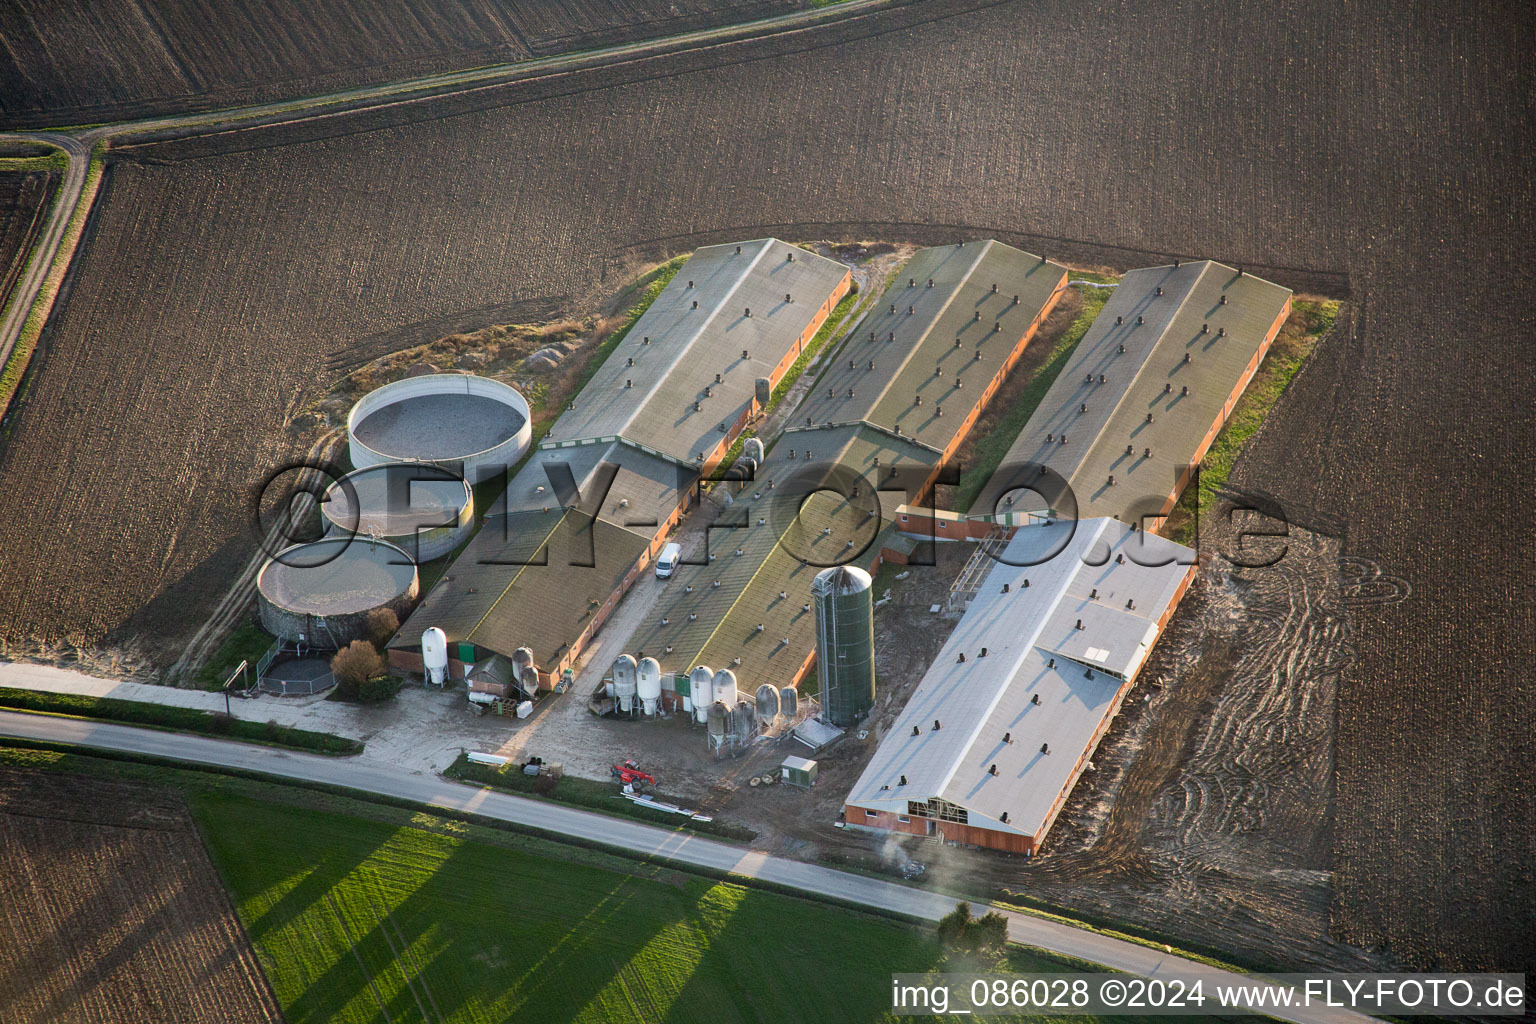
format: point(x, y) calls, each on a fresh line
point(125, 60)
point(24, 199)
point(1384, 146)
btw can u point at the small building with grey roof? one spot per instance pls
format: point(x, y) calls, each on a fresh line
point(1141, 397)
point(1001, 726)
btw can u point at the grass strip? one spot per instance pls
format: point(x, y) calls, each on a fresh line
point(42, 305)
point(1308, 323)
point(991, 448)
point(343, 897)
point(579, 792)
point(176, 719)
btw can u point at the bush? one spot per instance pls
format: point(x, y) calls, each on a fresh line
point(961, 932)
point(955, 926)
point(381, 625)
point(377, 689)
point(354, 665)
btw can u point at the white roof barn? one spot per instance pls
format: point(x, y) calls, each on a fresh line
point(1000, 726)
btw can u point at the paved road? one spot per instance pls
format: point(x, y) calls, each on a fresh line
point(639, 838)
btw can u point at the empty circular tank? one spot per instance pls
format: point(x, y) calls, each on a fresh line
point(845, 643)
point(323, 591)
point(421, 509)
point(474, 426)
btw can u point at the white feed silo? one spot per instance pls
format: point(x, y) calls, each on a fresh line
point(723, 687)
point(625, 682)
point(767, 702)
point(789, 701)
point(701, 683)
point(434, 655)
point(648, 685)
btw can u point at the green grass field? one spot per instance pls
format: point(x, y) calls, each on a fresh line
point(363, 911)
point(360, 920)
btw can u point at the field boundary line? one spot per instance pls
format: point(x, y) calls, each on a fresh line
point(56, 248)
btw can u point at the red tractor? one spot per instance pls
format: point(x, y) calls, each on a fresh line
point(630, 773)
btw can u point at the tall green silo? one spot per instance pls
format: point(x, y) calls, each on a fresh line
point(845, 643)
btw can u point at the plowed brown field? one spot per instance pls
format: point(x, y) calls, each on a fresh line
point(110, 60)
point(113, 911)
point(1383, 144)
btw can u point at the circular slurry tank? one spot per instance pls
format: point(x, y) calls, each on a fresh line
point(323, 591)
point(474, 426)
point(421, 509)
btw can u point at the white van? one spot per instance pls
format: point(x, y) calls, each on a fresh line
point(666, 562)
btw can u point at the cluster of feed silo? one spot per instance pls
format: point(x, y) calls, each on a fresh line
point(636, 685)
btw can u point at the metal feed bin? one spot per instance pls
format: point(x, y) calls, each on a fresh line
point(845, 643)
point(799, 771)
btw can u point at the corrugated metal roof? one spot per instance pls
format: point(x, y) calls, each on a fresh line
point(907, 346)
point(529, 579)
point(611, 479)
point(978, 701)
point(782, 551)
point(689, 346)
point(1099, 419)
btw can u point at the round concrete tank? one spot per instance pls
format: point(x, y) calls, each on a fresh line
point(473, 426)
point(789, 701)
point(701, 685)
point(753, 449)
point(421, 509)
point(767, 702)
point(322, 591)
point(719, 719)
point(434, 655)
point(648, 685)
point(845, 643)
point(723, 686)
point(624, 681)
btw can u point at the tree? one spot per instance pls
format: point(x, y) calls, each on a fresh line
point(991, 931)
point(382, 624)
point(354, 665)
point(954, 926)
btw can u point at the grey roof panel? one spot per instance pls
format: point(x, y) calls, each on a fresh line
point(1099, 419)
point(688, 347)
point(924, 359)
point(981, 699)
